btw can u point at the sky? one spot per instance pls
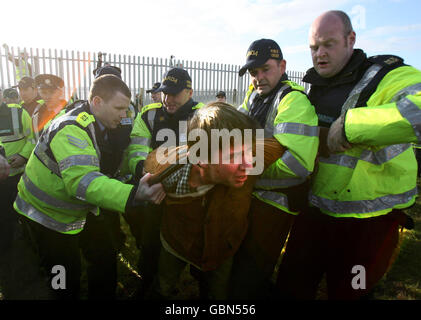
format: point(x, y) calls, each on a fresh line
point(218, 31)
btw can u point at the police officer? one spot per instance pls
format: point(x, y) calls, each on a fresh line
point(50, 88)
point(284, 111)
point(178, 106)
point(102, 237)
point(17, 138)
point(221, 96)
point(155, 94)
point(357, 193)
point(29, 94)
point(68, 156)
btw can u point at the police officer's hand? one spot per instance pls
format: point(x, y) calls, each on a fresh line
point(336, 138)
point(16, 161)
point(145, 192)
point(4, 168)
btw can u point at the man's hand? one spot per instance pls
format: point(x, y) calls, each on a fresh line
point(4, 168)
point(336, 139)
point(16, 161)
point(145, 192)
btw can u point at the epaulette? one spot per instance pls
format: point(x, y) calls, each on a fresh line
point(198, 105)
point(295, 86)
point(151, 106)
point(387, 60)
point(84, 119)
point(14, 105)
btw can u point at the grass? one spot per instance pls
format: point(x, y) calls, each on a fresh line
point(403, 281)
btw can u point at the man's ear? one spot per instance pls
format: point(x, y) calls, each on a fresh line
point(96, 102)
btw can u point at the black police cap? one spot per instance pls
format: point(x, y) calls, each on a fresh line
point(10, 93)
point(221, 94)
point(155, 86)
point(175, 80)
point(107, 70)
point(259, 52)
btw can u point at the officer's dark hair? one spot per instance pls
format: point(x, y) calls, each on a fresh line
point(106, 87)
point(346, 21)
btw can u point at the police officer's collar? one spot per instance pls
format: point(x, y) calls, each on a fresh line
point(347, 74)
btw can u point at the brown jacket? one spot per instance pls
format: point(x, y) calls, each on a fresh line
point(208, 229)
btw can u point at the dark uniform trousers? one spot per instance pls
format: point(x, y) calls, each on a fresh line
point(99, 244)
point(100, 241)
point(320, 244)
point(55, 249)
point(256, 259)
point(8, 217)
point(145, 224)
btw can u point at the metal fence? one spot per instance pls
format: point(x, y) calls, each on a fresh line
point(139, 73)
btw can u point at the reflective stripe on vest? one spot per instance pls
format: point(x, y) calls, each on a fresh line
point(270, 119)
point(411, 112)
point(85, 182)
point(362, 206)
point(151, 118)
point(78, 160)
point(39, 151)
point(273, 196)
point(294, 165)
point(138, 154)
point(242, 110)
point(250, 100)
point(35, 118)
point(353, 97)
point(143, 141)
point(17, 130)
point(411, 90)
point(49, 200)
point(296, 128)
point(45, 220)
point(376, 158)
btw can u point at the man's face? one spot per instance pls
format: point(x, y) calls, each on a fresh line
point(156, 97)
point(266, 77)
point(230, 174)
point(221, 99)
point(330, 48)
point(112, 111)
point(50, 95)
point(28, 94)
point(172, 102)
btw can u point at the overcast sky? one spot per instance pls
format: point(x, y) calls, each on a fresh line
point(211, 31)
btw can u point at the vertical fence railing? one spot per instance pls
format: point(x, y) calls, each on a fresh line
point(139, 73)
